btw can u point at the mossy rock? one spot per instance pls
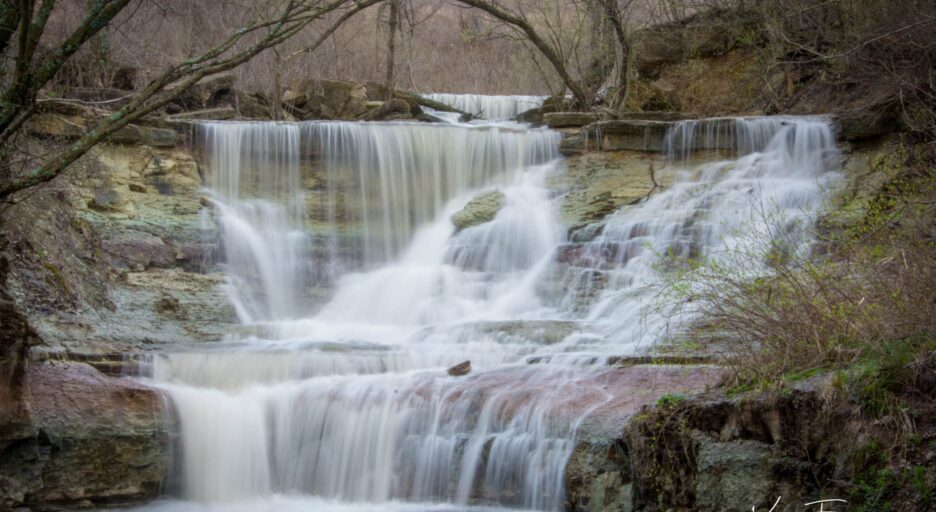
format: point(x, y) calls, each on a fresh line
point(482, 208)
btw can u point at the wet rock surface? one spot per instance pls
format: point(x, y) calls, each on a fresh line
point(596, 184)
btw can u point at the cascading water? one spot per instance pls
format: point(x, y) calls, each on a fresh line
point(488, 107)
point(261, 204)
point(350, 403)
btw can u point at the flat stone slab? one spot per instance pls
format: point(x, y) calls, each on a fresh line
point(569, 119)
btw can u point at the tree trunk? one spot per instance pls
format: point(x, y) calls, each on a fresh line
point(624, 54)
point(277, 85)
point(391, 50)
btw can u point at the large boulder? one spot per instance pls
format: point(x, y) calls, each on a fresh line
point(533, 116)
point(254, 105)
point(210, 92)
point(325, 99)
point(482, 208)
point(98, 439)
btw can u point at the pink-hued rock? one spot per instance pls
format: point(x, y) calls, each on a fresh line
point(97, 439)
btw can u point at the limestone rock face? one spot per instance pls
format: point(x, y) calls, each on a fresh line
point(93, 255)
point(482, 208)
point(56, 125)
point(98, 439)
point(864, 123)
point(732, 474)
point(595, 184)
point(214, 114)
point(133, 134)
point(657, 48)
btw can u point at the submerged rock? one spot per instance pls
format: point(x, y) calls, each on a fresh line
point(482, 208)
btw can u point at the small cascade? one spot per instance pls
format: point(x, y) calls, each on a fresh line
point(254, 179)
point(348, 402)
point(488, 107)
point(778, 171)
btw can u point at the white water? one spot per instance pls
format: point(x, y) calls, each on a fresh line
point(488, 107)
point(349, 404)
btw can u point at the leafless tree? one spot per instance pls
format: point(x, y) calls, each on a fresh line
point(22, 25)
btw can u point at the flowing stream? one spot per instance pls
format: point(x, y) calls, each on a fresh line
point(356, 293)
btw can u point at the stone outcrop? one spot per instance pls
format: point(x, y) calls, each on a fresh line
point(94, 440)
point(146, 135)
point(597, 476)
point(208, 114)
point(868, 122)
point(394, 109)
point(210, 92)
point(482, 208)
point(569, 119)
point(713, 452)
point(706, 35)
point(325, 99)
point(119, 231)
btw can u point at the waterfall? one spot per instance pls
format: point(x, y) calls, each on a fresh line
point(488, 107)
point(349, 402)
point(383, 182)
